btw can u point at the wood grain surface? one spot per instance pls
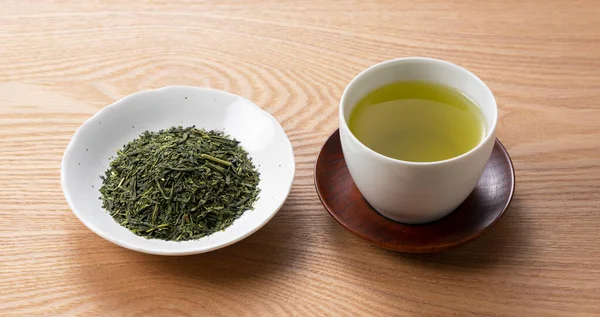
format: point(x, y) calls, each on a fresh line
point(62, 61)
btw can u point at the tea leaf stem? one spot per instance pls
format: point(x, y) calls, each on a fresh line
point(214, 159)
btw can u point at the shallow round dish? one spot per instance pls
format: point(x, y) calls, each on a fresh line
point(87, 157)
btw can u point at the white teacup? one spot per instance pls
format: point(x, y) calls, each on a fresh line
point(416, 192)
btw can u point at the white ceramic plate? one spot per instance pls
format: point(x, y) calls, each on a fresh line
point(87, 157)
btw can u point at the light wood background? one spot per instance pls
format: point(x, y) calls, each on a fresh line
point(62, 61)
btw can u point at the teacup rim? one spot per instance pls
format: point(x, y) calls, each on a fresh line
point(491, 133)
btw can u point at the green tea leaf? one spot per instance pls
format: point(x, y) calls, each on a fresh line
point(179, 184)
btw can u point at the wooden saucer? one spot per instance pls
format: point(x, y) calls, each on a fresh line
point(477, 213)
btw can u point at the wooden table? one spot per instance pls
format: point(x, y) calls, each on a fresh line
point(62, 61)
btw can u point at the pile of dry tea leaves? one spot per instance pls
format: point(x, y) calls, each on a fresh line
point(179, 184)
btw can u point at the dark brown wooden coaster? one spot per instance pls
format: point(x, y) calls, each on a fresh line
point(486, 204)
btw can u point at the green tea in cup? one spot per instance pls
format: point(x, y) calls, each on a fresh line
point(418, 121)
